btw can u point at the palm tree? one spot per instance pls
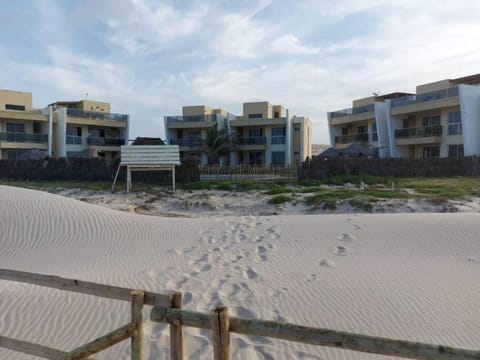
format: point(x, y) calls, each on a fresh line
point(217, 144)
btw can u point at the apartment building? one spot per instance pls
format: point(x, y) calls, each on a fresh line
point(442, 119)
point(62, 129)
point(264, 135)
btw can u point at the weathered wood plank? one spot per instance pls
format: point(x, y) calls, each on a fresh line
point(84, 287)
point(137, 320)
point(30, 348)
point(176, 330)
point(221, 334)
point(100, 343)
point(323, 337)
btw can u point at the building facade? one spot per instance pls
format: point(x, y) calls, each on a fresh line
point(264, 135)
point(442, 119)
point(62, 129)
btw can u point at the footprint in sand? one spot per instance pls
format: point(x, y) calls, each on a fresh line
point(346, 237)
point(326, 263)
point(341, 250)
point(261, 250)
point(312, 277)
point(250, 273)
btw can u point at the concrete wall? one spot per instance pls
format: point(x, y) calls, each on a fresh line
point(196, 110)
point(434, 86)
point(262, 107)
point(364, 101)
point(470, 113)
point(15, 98)
point(61, 133)
point(382, 129)
point(98, 106)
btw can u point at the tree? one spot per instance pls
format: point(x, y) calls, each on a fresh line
point(217, 144)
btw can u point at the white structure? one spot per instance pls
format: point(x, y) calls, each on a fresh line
point(148, 158)
point(442, 119)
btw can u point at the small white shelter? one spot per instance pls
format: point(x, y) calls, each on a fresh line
point(148, 158)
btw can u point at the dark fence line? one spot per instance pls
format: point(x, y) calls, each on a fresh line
point(87, 169)
point(320, 167)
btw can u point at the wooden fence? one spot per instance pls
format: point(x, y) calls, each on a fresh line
point(241, 173)
point(167, 309)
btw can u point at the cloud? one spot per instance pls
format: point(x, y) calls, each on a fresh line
point(150, 58)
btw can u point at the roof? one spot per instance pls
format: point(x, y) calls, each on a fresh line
point(470, 79)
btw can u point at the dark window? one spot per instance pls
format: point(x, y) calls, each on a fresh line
point(255, 132)
point(344, 131)
point(454, 123)
point(37, 128)
point(362, 129)
point(255, 158)
point(14, 154)
point(15, 107)
point(431, 120)
point(180, 134)
point(74, 135)
point(278, 158)
point(276, 115)
point(455, 150)
point(296, 129)
point(255, 116)
point(431, 152)
point(278, 135)
point(15, 132)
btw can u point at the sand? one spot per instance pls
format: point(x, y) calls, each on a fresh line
point(408, 276)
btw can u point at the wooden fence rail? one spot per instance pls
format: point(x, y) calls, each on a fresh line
point(167, 309)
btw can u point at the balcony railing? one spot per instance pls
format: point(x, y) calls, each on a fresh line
point(252, 140)
point(352, 138)
point(23, 137)
point(193, 143)
point(192, 118)
point(426, 131)
point(420, 98)
point(278, 140)
point(353, 111)
point(96, 115)
point(101, 141)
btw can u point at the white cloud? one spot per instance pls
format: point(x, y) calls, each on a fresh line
point(149, 58)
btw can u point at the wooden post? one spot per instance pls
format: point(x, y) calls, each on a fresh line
point(137, 319)
point(173, 177)
point(221, 334)
point(176, 330)
point(129, 178)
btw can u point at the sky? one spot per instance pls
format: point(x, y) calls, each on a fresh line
point(148, 58)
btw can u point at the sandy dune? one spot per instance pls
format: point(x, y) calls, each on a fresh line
point(408, 276)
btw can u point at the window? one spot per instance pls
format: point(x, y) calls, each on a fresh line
point(278, 158)
point(362, 129)
point(255, 158)
point(15, 132)
point(432, 120)
point(74, 135)
point(345, 131)
point(97, 132)
point(454, 123)
point(180, 134)
point(14, 107)
point(255, 116)
point(455, 150)
point(278, 135)
point(37, 127)
point(257, 132)
point(14, 154)
point(431, 152)
point(276, 115)
point(296, 129)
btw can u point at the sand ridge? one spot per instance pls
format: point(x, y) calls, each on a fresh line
point(409, 276)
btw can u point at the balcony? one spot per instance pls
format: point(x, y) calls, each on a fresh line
point(102, 141)
point(24, 137)
point(421, 135)
point(278, 140)
point(252, 140)
point(191, 118)
point(352, 138)
point(426, 101)
point(96, 115)
point(190, 143)
point(353, 111)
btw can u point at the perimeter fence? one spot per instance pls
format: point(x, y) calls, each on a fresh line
point(168, 309)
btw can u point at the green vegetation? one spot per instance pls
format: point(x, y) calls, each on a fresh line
point(361, 192)
point(279, 199)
